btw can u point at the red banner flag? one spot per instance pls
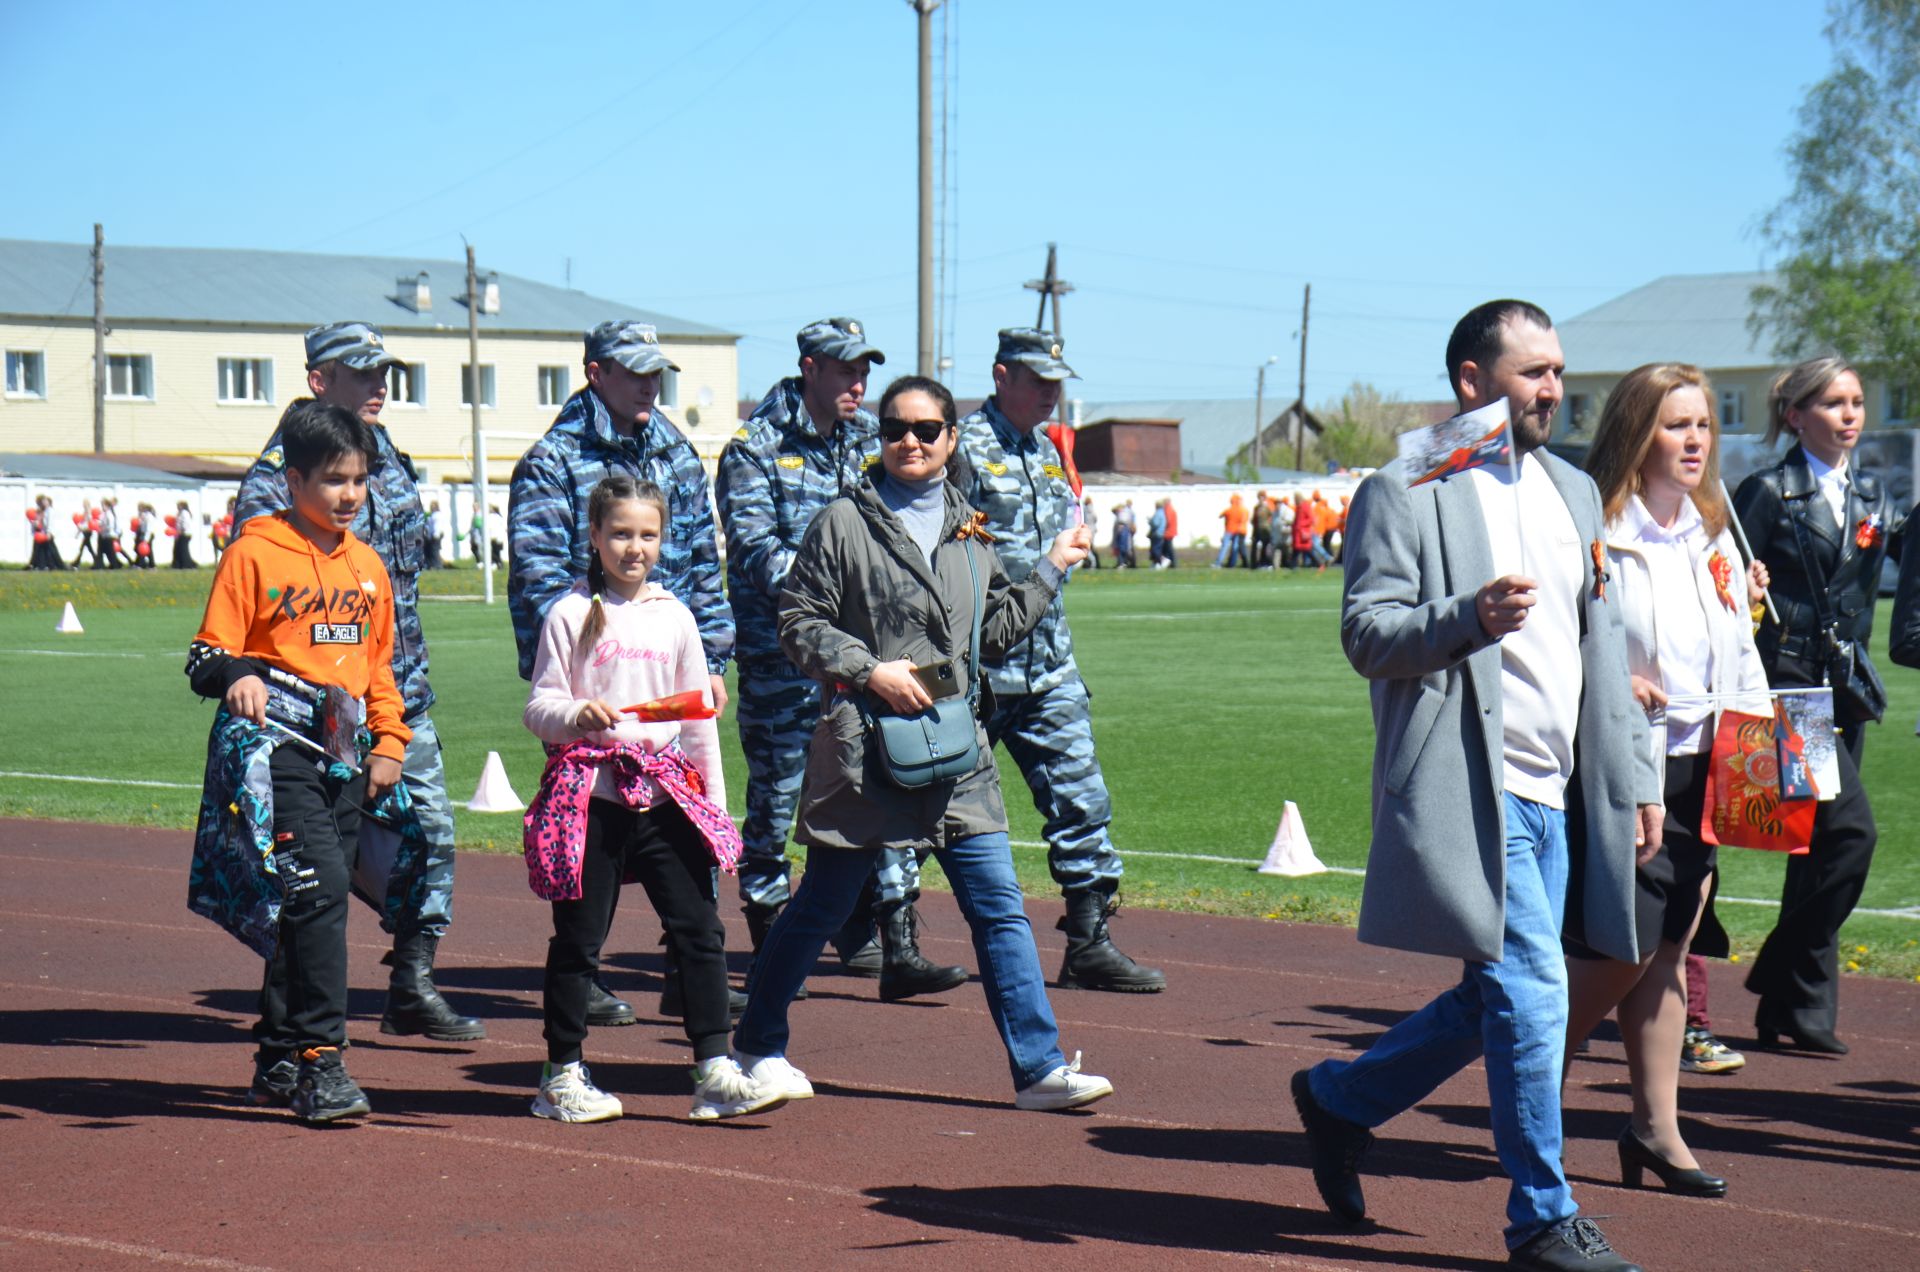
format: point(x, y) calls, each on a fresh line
point(1062, 437)
point(691, 705)
point(1743, 805)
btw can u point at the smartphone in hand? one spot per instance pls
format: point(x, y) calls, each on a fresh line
point(940, 679)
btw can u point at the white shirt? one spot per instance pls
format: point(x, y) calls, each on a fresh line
point(1540, 669)
point(1832, 483)
point(1682, 640)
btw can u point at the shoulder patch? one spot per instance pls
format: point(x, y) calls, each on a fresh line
point(1054, 470)
point(996, 468)
point(871, 463)
point(740, 434)
point(273, 457)
point(791, 461)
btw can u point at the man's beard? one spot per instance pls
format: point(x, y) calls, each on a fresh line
point(1531, 431)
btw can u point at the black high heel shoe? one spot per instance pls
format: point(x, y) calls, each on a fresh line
point(1636, 1158)
point(1768, 1029)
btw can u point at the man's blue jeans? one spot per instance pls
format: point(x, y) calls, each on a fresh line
point(980, 868)
point(1514, 1012)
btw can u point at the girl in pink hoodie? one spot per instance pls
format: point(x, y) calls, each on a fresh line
point(628, 799)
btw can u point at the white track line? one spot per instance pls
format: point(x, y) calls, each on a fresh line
point(151, 1254)
point(72, 653)
point(98, 781)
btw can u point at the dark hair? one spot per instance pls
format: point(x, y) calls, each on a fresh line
point(1480, 337)
point(613, 488)
point(315, 433)
point(920, 384)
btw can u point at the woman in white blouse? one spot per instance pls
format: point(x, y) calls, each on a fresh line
point(1677, 576)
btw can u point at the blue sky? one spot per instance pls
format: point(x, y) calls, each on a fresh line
point(752, 164)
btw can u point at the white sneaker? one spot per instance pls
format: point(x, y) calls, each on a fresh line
point(773, 1073)
point(720, 1090)
point(567, 1094)
point(1065, 1088)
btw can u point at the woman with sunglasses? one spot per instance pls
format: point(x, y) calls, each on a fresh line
point(879, 608)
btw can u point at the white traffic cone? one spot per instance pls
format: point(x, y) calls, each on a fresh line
point(1291, 855)
point(495, 792)
point(69, 623)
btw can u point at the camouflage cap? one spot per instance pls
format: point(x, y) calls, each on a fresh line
point(357, 344)
point(634, 345)
point(841, 338)
point(1032, 347)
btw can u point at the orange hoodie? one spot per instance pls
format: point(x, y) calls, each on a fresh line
point(324, 616)
point(1236, 516)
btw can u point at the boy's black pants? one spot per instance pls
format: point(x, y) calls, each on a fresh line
point(316, 830)
point(672, 862)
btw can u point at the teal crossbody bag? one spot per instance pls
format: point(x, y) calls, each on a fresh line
point(940, 743)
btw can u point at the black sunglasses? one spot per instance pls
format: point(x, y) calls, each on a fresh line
point(926, 432)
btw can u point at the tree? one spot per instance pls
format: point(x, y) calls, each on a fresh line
point(1361, 427)
point(1849, 229)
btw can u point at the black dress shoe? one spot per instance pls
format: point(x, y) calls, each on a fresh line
point(1636, 1159)
point(1336, 1147)
point(1769, 1027)
point(603, 1009)
point(1572, 1245)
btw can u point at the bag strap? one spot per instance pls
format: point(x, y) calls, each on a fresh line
point(979, 607)
point(1817, 577)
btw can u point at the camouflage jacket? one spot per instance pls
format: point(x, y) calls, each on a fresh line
point(1019, 483)
point(775, 475)
point(393, 523)
point(547, 521)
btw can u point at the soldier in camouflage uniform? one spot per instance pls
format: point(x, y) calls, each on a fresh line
point(613, 426)
point(1009, 470)
point(347, 366)
point(808, 443)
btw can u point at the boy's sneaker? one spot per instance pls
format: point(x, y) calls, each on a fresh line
point(323, 1092)
point(1065, 1088)
point(773, 1073)
point(720, 1090)
point(567, 1094)
point(273, 1084)
point(1701, 1052)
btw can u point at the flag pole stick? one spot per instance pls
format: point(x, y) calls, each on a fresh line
point(1746, 550)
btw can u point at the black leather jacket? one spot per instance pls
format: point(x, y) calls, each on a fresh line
point(1904, 641)
point(1768, 504)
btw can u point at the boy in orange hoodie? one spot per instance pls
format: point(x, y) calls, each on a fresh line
point(299, 632)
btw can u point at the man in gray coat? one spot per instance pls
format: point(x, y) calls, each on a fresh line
point(1476, 605)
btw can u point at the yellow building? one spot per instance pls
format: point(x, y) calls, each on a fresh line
point(204, 350)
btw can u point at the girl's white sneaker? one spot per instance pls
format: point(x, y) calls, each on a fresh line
point(567, 1094)
point(773, 1073)
point(720, 1090)
point(1065, 1088)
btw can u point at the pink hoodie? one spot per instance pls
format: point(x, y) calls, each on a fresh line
point(649, 648)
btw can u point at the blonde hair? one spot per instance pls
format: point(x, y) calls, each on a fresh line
point(1625, 435)
point(1799, 385)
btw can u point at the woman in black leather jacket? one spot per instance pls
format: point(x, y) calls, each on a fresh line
point(1822, 530)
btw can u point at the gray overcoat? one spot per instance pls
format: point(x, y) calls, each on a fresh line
point(1436, 872)
point(861, 593)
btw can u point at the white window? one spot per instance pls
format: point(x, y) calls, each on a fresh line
point(669, 387)
point(26, 374)
point(486, 384)
point(1579, 408)
point(246, 380)
point(407, 383)
point(1733, 408)
point(554, 384)
point(1899, 401)
point(130, 376)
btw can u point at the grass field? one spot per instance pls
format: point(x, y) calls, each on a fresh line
point(1217, 696)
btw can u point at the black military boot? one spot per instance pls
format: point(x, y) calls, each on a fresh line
point(759, 922)
point(904, 972)
point(1093, 961)
point(858, 941)
point(414, 1006)
point(605, 1011)
point(673, 992)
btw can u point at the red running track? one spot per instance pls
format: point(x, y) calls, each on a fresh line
point(126, 1140)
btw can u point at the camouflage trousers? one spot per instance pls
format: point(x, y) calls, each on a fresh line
point(426, 780)
point(1050, 736)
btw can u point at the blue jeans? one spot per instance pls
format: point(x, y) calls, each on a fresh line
point(1233, 550)
point(1514, 1012)
point(980, 869)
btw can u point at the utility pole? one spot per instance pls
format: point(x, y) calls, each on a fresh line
point(1259, 412)
point(924, 10)
point(1300, 407)
point(479, 435)
point(1051, 287)
point(99, 341)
